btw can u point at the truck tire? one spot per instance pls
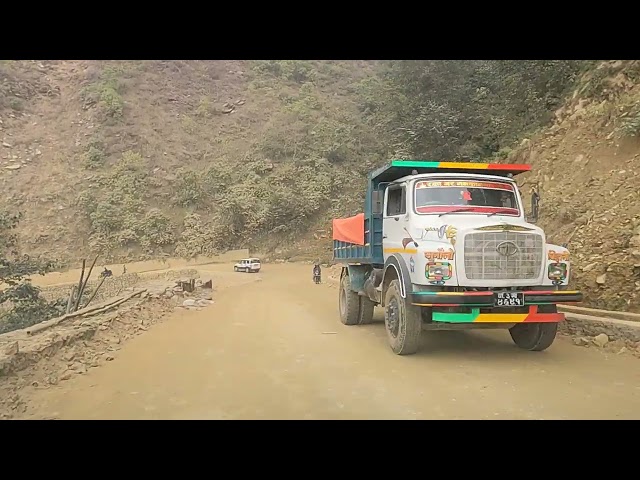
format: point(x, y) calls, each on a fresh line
point(366, 311)
point(534, 336)
point(402, 321)
point(349, 303)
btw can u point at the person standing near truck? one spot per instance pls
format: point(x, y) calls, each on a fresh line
point(317, 271)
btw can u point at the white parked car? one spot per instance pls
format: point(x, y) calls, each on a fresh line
point(247, 265)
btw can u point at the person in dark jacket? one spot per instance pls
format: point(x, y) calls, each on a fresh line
point(317, 271)
point(106, 273)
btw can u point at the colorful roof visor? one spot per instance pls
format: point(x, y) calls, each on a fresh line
point(400, 168)
point(502, 167)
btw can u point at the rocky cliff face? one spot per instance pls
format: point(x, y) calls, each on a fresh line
point(586, 168)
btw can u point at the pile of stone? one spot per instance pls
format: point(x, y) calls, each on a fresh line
point(190, 293)
point(193, 304)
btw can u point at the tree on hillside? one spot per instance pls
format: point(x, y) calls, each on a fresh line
point(20, 302)
point(465, 109)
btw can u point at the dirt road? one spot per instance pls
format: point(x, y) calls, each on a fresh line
point(275, 349)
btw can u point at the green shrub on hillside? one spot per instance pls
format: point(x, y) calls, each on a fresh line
point(205, 108)
point(118, 211)
point(197, 238)
point(188, 190)
point(154, 230)
point(106, 93)
point(20, 302)
point(94, 155)
point(298, 71)
point(463, 109)
point(630, 124)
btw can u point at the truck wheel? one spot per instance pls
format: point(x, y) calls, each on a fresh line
point(534, 336)
point(366, 311)
point(349, 303)
point(402, 320)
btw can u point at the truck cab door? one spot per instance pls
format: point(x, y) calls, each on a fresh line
point(395, 220)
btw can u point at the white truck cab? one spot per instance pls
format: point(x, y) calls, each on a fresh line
point(432, 220)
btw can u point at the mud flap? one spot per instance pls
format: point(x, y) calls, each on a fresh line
point(357, 275)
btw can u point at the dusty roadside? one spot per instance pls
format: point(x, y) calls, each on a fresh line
point(31, 363)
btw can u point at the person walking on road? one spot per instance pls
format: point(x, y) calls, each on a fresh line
point(317, 271)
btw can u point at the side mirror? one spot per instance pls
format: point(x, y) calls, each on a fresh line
point(376, 202)
point(535, 203)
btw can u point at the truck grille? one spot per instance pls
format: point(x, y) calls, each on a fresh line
point(483, 262)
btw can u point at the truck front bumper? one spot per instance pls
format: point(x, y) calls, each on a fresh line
point(480, 307)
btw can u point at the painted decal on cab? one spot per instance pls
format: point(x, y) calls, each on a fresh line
point(558, 257)
point(444, 231)
point(440, 254)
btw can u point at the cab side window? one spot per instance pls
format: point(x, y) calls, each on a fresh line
point(396, 201)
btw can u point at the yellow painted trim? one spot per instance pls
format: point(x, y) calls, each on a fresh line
point(466, 166)
point(501, 318)
point(401, 250)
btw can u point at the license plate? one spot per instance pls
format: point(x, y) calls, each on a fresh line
point(509, 299)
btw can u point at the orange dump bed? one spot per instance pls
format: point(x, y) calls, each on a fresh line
point(349, 229)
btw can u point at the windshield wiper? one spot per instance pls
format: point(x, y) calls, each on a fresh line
point(456, 211)
point(500, 211)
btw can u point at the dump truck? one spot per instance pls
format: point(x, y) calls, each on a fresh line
point(448, 246)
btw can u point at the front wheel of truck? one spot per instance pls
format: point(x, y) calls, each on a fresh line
point(534, 336)
point(402, 320)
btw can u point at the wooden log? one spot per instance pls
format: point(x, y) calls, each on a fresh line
point(77, 304)
point(84, 285)
point(84, 312)
point(70, 301)
point(95, 292)
point(104, 309)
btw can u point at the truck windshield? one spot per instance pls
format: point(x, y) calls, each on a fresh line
point(442, 196)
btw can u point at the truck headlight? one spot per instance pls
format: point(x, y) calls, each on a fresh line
point(557, 271)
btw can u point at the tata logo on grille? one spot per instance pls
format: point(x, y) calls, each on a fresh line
point(507, 249)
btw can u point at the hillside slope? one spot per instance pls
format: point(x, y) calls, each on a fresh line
point(123, 157)
point(586, 167)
